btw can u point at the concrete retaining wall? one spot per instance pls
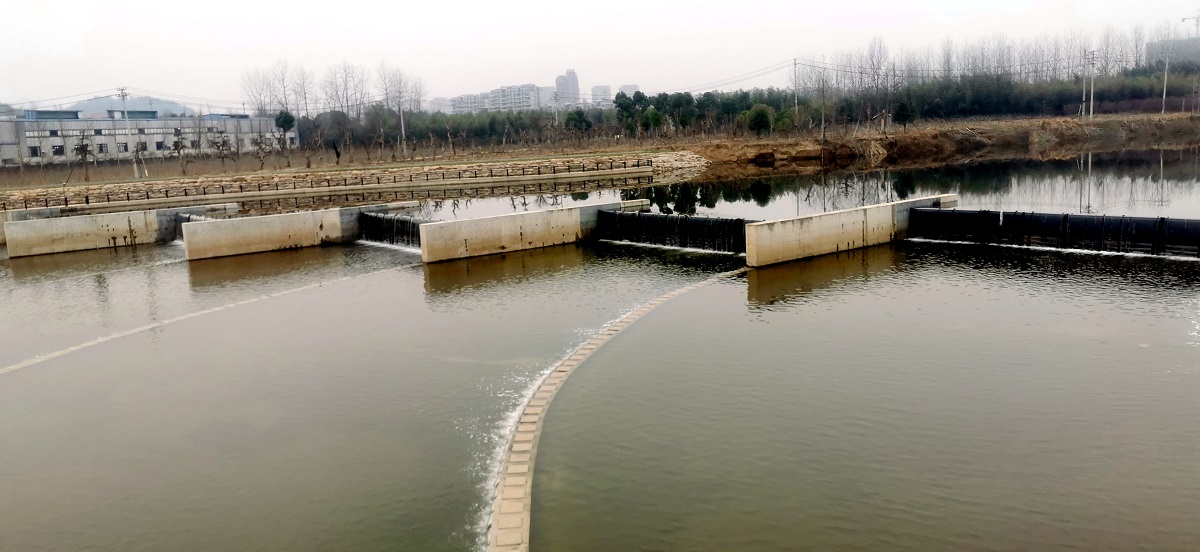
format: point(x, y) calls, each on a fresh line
point(459, 239)
point(44, 231)
point(223, 238)
point(785, 240)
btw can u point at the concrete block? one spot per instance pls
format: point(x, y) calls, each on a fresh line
point(460, 239)
point(40, 231)
point(512, 507)
point(223, 238)
point(778, 241)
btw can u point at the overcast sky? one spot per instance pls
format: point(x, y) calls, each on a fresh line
point(201, 49)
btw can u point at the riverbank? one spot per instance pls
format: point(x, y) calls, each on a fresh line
point(721, 158)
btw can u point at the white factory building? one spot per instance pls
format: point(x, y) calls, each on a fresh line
point(43, 137)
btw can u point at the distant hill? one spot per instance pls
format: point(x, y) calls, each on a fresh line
point(145, 103)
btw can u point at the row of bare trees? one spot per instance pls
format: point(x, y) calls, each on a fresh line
point(347, 87)
point(1047, 58)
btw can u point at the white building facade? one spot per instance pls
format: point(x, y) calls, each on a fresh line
point(49, 137)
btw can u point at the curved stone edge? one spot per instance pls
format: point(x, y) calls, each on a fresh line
point(508, 530)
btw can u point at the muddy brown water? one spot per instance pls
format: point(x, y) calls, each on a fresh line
point(926, 396)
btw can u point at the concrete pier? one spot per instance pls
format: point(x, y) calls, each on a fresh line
point(790, 239)
point(40, 232)
point(223, 238)
point(459, 239)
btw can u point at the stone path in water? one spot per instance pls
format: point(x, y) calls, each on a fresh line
point(509, 528)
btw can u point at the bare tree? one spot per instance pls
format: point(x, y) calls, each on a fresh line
point(282, 83)
point(303, 89)
point(345, 88)
point(257, 88)
point(223, 148)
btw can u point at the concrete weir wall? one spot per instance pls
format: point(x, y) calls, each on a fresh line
point(36, 213)
point(779, 241)
point(224, 238)
point(43, 231)
point(459, 239)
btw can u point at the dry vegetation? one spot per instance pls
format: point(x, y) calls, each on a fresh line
point(927, 144)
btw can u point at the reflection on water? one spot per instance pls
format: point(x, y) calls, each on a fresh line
point(244, 270)
point(777, 284)
point(1141, 183)
point(954, 398)
point(911, 397)
point(479, 271)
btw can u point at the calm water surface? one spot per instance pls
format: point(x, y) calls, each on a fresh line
point(927, 398)
point(362, 414)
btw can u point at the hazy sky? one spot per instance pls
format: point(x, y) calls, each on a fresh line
point(201, 49)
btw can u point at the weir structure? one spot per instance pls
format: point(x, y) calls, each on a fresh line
point(40, 232)
point(239, 236)
point(1149, 235)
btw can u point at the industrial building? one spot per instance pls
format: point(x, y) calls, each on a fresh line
point(44, 137)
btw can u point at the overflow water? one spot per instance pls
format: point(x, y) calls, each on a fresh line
point(400, 230)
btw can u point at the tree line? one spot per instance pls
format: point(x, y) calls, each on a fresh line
point(378, 112)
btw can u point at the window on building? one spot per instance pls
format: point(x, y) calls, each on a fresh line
point(35, 151)
point(123, 147)
point(102, 148)
point(143, 146)
point(292, 140)
point(141, 131)
point(98, 132)
point(58, 150)
point(53, 133)
point(195, 144)
point(160, 145)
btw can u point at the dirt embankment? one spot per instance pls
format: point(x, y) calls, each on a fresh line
point(952, 143)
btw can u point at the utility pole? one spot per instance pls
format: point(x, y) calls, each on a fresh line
point(1083, 100)
point(1092, 99)
point(128, 134)
point(1195, 18)
point(796, 93)
point(1166, 68)
point(822, 114)
point(403, 138)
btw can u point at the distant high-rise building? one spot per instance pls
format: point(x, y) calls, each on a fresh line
point(468, 103)
point(546, 97)
point(439, 105)
point(567, 88)
point(629, 89)
point(522, 97)
point(1186, 50)
point(602, 95)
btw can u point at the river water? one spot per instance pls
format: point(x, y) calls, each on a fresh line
point(923, 396)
